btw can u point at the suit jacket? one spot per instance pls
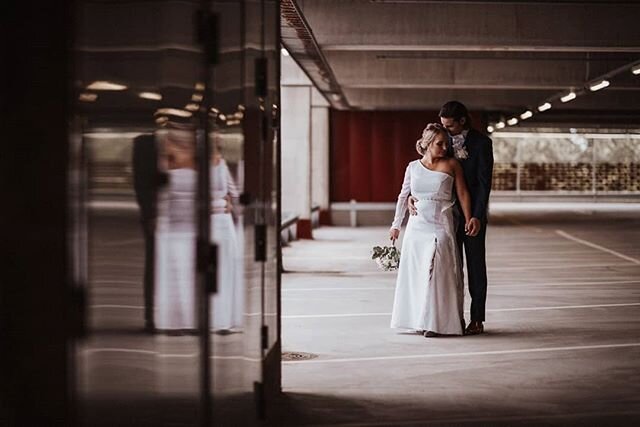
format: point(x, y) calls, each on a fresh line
point(478, 170)
point(145, 174)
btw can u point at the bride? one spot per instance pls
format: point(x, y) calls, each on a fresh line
point(430, 286)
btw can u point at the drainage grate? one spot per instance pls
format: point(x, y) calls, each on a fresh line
point(297, 355)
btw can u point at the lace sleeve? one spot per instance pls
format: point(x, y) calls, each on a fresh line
point(401, 205)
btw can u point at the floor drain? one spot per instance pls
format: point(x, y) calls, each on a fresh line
point(297, 355)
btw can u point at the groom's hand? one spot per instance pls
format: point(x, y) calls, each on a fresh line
point(412, 205)
point(473, 227)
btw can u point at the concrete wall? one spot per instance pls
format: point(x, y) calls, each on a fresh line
point(305, 147)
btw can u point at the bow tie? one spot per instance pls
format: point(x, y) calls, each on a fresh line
point(458, 140)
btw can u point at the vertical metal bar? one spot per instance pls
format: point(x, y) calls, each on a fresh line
point(203, 219)
point(594, 165)
point(518, 164)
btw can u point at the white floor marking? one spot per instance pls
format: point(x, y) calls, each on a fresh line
point(161, 355)
point(465, 354)
point(127, 307)
point(491, 286)
point(593, 245)
point(558, 307)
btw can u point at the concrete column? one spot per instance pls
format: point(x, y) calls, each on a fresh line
point(320, 155)
point(296, 145)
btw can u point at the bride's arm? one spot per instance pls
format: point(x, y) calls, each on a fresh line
point(401, 204)
point(462, 191)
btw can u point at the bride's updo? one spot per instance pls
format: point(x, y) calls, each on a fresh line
point(428, 135)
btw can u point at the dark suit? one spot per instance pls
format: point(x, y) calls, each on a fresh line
point(145, 181)
point(478, 169)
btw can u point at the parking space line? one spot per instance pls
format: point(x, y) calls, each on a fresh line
point(557, 307)
point(595, 246)
point(466, 354)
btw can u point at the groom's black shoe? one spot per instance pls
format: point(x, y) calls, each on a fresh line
point(475, 328)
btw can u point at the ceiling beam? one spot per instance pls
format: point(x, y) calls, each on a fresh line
point(513, 26)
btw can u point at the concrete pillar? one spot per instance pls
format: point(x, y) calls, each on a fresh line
point(296, 145)
point(320, 155)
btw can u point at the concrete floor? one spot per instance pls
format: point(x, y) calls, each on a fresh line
point(562, 341)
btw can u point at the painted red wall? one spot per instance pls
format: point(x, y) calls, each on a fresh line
point(370, 151)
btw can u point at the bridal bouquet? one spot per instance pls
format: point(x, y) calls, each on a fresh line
point(387, 257)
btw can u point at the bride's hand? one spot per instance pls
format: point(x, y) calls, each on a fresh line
point(472, 227)
point(393, 234)
point(412, 205)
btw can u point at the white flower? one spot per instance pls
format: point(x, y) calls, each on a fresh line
point(460, 153)
point(387, 258)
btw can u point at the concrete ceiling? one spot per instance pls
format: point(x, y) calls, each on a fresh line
point(499, 57)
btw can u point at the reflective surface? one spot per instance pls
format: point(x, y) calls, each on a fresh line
point(175, 159)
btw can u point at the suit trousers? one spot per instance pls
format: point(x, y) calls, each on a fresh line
point(149, 279)
point(474, 252)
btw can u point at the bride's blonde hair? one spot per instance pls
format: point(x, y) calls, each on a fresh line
point(428, 135)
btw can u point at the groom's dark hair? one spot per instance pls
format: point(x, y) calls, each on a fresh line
point(455, 110)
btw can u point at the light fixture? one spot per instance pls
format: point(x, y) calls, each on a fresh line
point(544, 107)
point(512, 121)
point(490, 129)
point(196, 97)
point(636, 69)
point(526, 115)
point(284, 52)
point(500, 125)
point(222, 117)
point(568, 97)
point(191, 107)
point(87, 97)
point(105, 85)
point(200, 86)
point(150, 95)
point(335, 96)
point(600, 85)
point(173, 112)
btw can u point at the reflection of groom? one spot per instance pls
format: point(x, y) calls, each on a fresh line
point(475, 153)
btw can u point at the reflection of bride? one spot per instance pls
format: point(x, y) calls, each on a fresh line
point(175, 266)
point(228, 302)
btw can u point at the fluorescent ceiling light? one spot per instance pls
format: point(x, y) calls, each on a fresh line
point(105, 85)
point(512, 121)
point(500, 125)
point(150, 95)
point(284, 52)
point(173, 112)
point(526, 115)
point(490, 129)
point(568, 97)
point(200, 86)
point(88, 97)
point(192, 107)
point(544, 107)
point(636, 69)
point(600, 85)
point(222, 117)
point(196, 97)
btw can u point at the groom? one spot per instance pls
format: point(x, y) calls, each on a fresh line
point(475, 153)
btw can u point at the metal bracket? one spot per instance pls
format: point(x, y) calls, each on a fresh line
point(261, 65)
point(207, 34)
point(261, 242)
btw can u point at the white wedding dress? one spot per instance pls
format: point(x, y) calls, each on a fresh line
point(430, 288)
point(228, 302)
point(175, 265)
